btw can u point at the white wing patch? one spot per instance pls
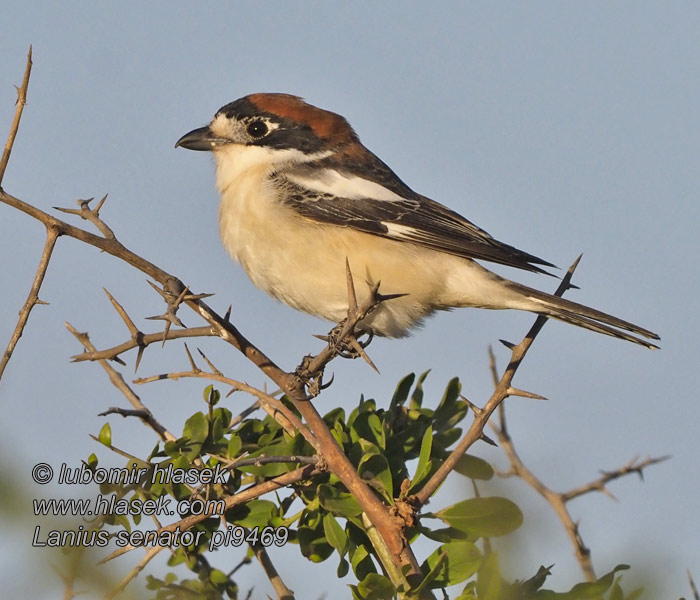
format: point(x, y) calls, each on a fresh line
point(330, 181)
point(397, 231)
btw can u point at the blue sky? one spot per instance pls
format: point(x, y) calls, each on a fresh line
point(560, 128)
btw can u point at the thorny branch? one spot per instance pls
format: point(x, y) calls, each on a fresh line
point(21, 101)
point(293, 384)
point(559, 500)
point(118, 381)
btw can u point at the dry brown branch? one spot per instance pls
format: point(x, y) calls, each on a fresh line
point(694, 589)
point(90, 214)
point(32, 298)
point(260, 460)
point(271, 405)
point(503, 388)
point(150, 554)
point(118, 381)
point(142, 341)
point(244, 413)
point(282, 591)
point(598, 485)
point(21, 101)
point(344, 334)
point(559, 500)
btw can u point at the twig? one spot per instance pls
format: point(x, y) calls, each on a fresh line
point(266, 460)
point(19, 107)
point(276, 409)
point(244, 413)
point(599, 484)
point(558, 500)
point(150, 554)
point(32, 298)
point(694, 589)
point(91, 214)
point(118, 381)
point(142, 341)
point(282, 591)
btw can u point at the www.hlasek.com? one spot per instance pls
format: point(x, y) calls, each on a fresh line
point(43, 473)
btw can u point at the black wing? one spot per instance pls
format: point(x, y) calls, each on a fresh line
point(401, 214)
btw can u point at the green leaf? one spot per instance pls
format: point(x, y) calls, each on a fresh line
point(218, 577)
point(335, 534)
point(368, 426)
point(221, 417)
point(424, 465)
point(339, 503)
point(461, 560)
point(105, 435)
point(234, 445)
point(483, 517)
point(474, 467)
point(335, 416)
point(361, 561)
point(211, 396)
point(443, 535)
point(256, 513)
point(374, 469)
point(594, 589)
point(417, 396)
point(535, 582)
point(376, 587)
point(446, 409)
point(401, 392)
point(616, 592)
point(92, 460)
point(313, 544)
point(343, 568)
point(196, 428)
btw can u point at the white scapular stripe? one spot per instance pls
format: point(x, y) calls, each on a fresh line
point(330, 181)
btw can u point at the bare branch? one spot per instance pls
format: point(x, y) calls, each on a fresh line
point(19, 107)
point(282, 591)
point(271, 405)
point(32, 298)
point(150, 554)
point(142, 340)
point(694, 589)
point(558, 500)
point(118, 381)
point(598, 485)
point(92, 215)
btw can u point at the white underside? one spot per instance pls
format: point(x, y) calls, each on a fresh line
point(302, 262)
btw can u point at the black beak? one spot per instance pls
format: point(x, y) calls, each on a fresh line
point(200, 139)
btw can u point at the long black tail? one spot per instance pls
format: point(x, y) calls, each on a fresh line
point(583, 316)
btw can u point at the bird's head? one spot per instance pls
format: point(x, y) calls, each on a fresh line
point(281, 124)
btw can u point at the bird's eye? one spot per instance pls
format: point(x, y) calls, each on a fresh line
point(257, 129)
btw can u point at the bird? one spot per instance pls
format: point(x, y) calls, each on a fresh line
point(302, 197)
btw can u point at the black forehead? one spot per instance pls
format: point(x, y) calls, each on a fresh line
point(242, 109)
